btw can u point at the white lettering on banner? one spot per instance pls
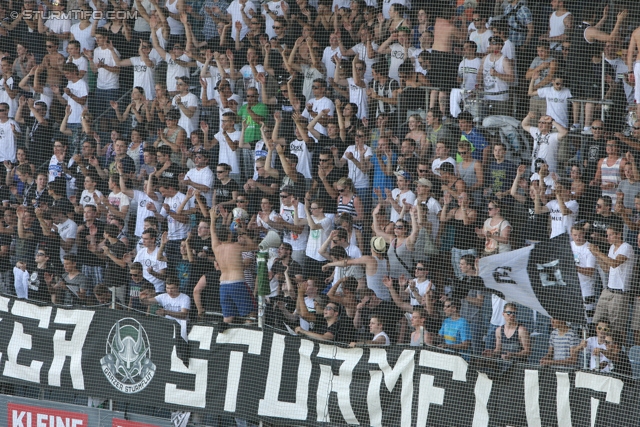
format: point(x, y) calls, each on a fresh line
point(35, 416)
point(198, 367)
point(404, 366)
point(611, 386)
point(329, 383)
point(253, 340)
point(429, 394)
point(532, 397)
point(482, 392)
point(63, 348)
point(19, 338)
point(563, 387)
point(270, 406)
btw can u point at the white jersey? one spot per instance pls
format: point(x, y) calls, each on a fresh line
point(327, 57)
point(140, 199)
point(227, 155)
point(584, 259)
point(4, 95)
point(174, 70)
point(557, 28)
point(299, 148)
point(8, 141)
point(297, 241)
point(83, 65)
point(177, 304)
point(106, 79)
point(203, 176)
point(143, 76)
point(494, 84)
point(397, 58)
point(544, 147)
point(358, 95)
point(481, 40)
point(151, 260)
point(620, 277)
point(317, 105)
point(359, 178)
point(561, 223)
point(361, 51)
point(79, 89)
point(276, 8)
point(468, 72)
point(189, 124)
point(557, 103)
point(177, 230)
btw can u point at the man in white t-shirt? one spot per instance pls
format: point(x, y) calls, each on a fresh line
point(143, 68)
point(67, 230)
point(201, 177)
point(613, 303)
point(292, 221)
point(178, 223)
point(153, 270)
point(562, 211)
point(76, 57)
point(235, 13)
point(75, 95)
point(108, 76)
point(317, 104)
point(175, 305)
point(228, 141)
point(586, 268)
point(545, 143)
point(187, 104)
point(9, 132)
point(358, 159)
point(399, 46)
point(557, 100)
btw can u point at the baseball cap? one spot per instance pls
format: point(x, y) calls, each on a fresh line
point(403, 174)
point(425, 182)
point(446, 167)
point(235, 98)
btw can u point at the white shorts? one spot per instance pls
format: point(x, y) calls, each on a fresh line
point(636, 74)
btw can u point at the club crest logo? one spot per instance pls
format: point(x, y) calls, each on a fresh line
point(127, 364)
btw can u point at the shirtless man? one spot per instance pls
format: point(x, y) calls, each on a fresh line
point(235, 296)
point(633, 62)
point(53, 62)
point(444, 62)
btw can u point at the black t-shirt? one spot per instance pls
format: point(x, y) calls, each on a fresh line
point(5, 262)
point(171, 172)
point(85, 256)
point(114, 275)
point(535, 227)
point(592, 152)
point(256, 196)
point(330, 204)
point(38, 287)
point(224, 192)
point(599, 225)
point(64, 205)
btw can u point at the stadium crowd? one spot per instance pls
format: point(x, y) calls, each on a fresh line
point(150, 147)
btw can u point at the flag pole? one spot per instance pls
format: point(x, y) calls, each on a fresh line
point(584, 353)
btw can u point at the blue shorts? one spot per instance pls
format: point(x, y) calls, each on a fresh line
point(236, 299)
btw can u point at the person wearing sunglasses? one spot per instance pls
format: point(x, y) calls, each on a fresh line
point(454, 332)
point(512, 339)
point(545, 143)
point(595, 347)
point(482, 34)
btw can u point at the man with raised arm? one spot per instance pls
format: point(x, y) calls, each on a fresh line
point(236, 298)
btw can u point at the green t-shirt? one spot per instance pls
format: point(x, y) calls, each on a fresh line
point(252, 134)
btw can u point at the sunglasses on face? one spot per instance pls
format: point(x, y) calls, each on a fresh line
point(510, 313)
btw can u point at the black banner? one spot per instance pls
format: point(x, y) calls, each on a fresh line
point(270, 375)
